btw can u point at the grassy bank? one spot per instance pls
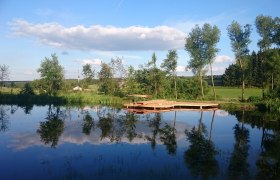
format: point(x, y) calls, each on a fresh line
point(228, 98)
point(232, 93)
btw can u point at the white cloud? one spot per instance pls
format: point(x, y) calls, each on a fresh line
point(103, 38)
point(181, 68)
point(96, 62)
point(222, 59)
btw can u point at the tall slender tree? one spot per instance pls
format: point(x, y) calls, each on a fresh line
point(4, 73)
point(240, 39)
point(88, 73)
point(153, 73)
point(265, 28)
point(195, 46)
point(211, 36)
point(169, 65)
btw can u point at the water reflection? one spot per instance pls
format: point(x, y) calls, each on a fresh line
point(238, 165)
point(269, 161)
point(51, 130)
point(4, 119)
point(200, 156)
point(154, 123)
point(205, 145)
point(130, 122)
point(88, 124)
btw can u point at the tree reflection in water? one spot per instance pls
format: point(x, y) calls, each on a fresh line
point(168, 136)
point(238, 165)
point(269, 160)
point(4, 119)
point(88, 123)
point(105, 123)
point(200, 157)
point(51, 130)
point(154, 124)
point(130, 121)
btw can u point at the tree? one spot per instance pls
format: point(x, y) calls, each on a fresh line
point(52, 74)
point(195, 46)
point(131, 83)
point(211, 36)
point(169, 65)
point(27, 89)
point(118, 68)
point(88, 73)
point(232, 76)
point(153, 73)
point(4, 73)
point(240, 39)
point(265, 27)
point(106, 82)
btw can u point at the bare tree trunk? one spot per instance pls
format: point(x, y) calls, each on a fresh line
point(272, 82)
point(213, 85)
point(201, 85)
point(243, 79)
point(175, 86)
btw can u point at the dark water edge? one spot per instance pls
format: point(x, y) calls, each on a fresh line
point(97, 142)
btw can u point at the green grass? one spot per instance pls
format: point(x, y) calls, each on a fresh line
point(235, 93)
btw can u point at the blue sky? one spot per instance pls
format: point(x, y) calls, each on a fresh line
point(82, 32)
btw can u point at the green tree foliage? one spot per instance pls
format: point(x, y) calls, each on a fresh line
point(106, 82)
point(195, 46)
point(118, 68)
point(27, 90)
point(265, 26)
point(132, 86)
point(169, 65)
point(240, 39)
point(52, 74)
point(276, 37)
point(4, 74)
point(88, 73)
point(153, 74)
point(188, 88)
point(232, 76)
point(211, 36)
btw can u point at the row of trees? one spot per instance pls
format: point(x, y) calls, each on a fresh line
point(201, 43)
point(259, 69)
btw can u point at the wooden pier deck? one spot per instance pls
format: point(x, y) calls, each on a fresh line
point(165, 104)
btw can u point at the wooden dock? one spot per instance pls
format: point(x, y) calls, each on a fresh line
point(165, 105)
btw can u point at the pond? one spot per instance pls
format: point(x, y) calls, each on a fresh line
point(52, 142)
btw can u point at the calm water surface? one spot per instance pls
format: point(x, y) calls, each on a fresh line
point(50, 142)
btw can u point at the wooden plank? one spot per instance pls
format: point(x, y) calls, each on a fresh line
point(164, 104)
